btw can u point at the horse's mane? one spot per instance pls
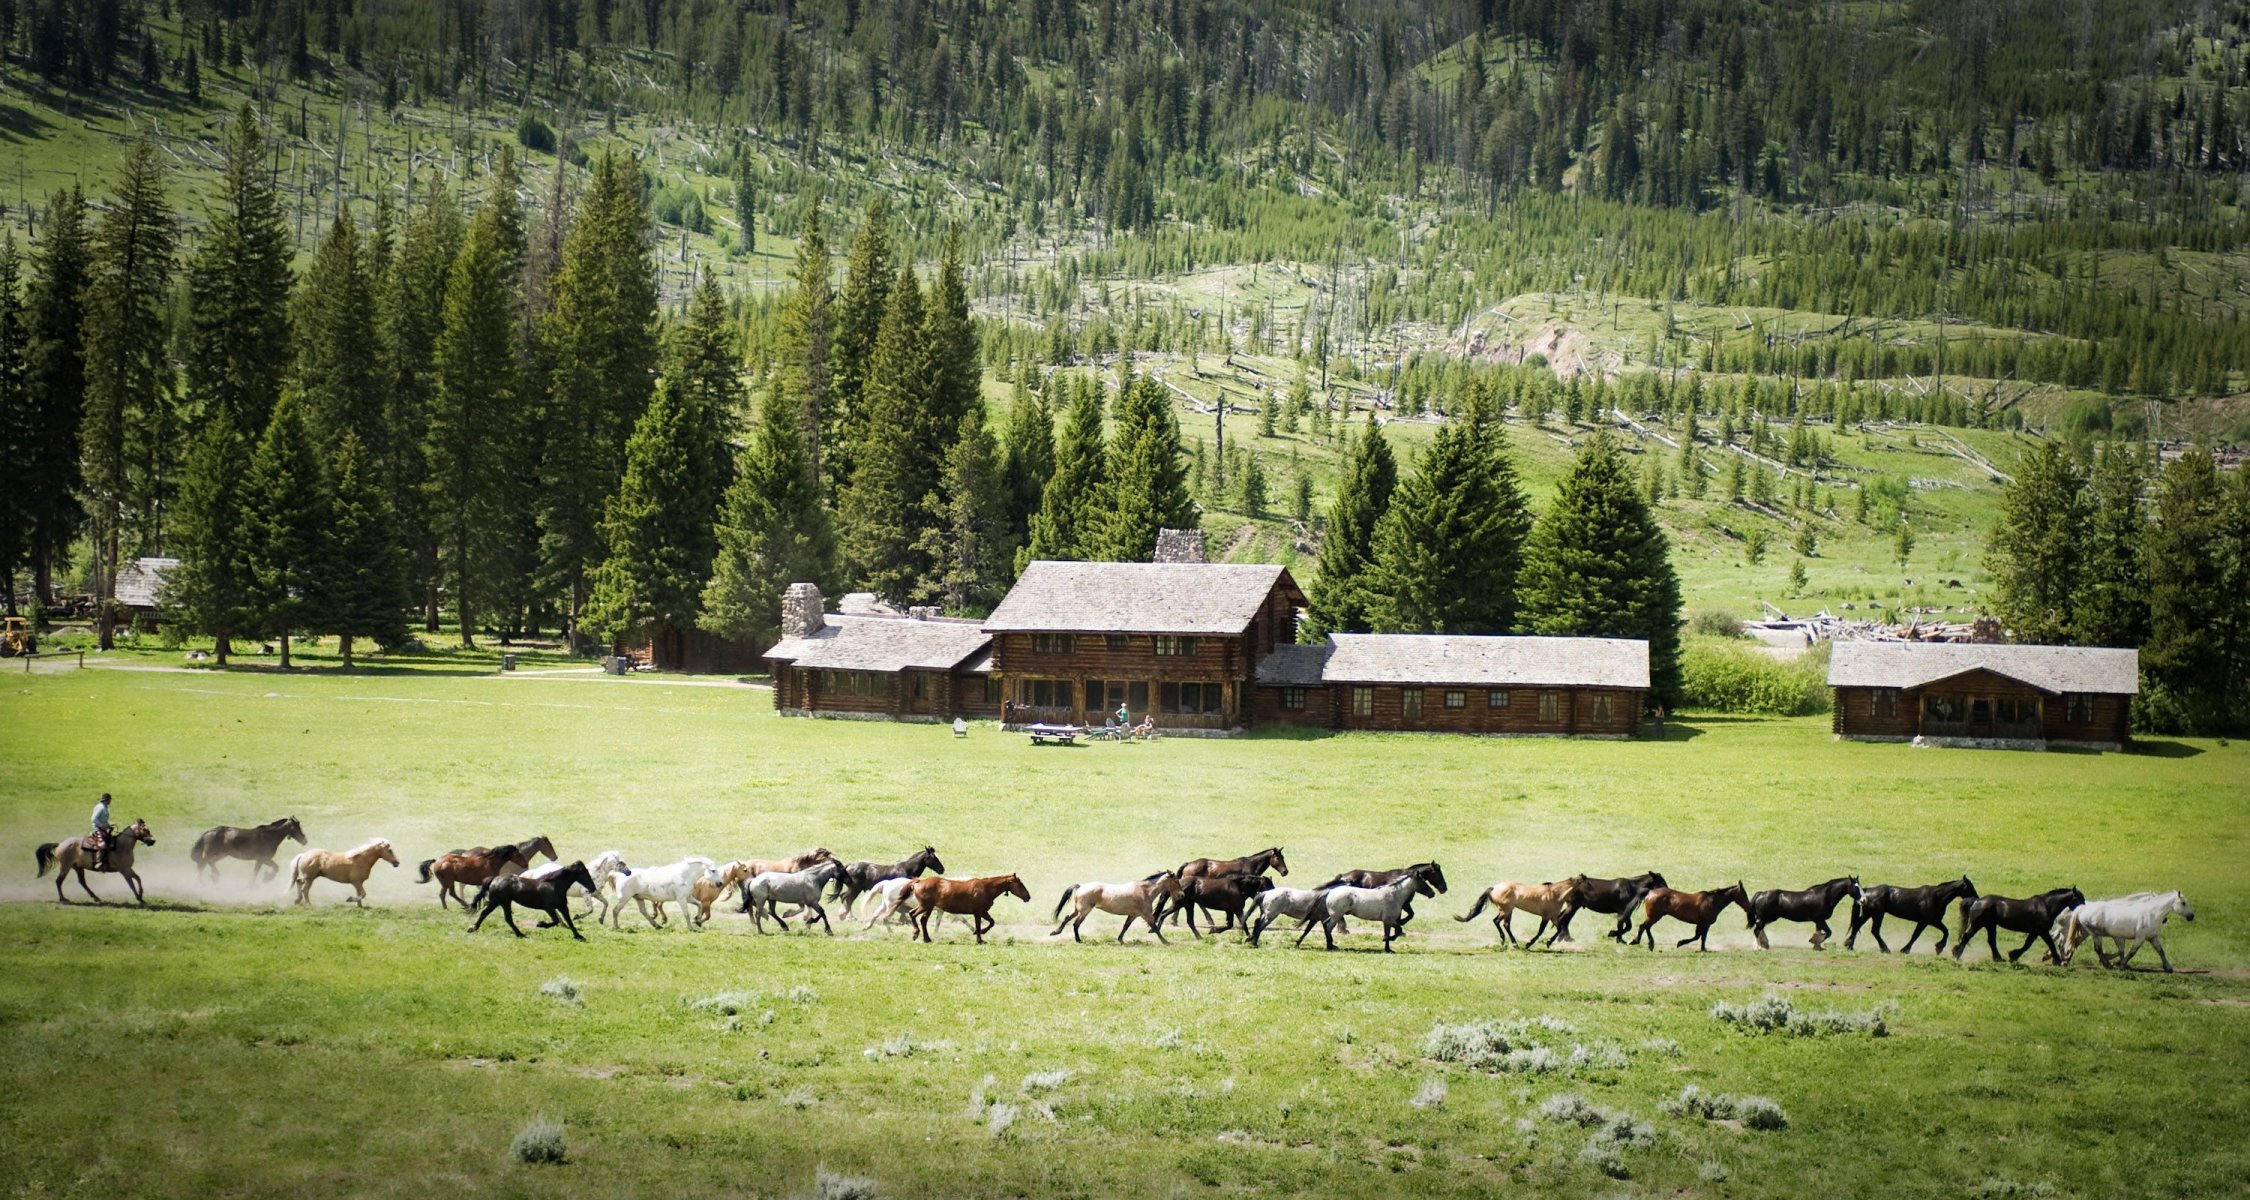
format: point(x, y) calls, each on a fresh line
point(370, 844)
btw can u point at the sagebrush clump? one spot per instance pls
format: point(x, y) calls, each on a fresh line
point(539, 1142)
point(1773, 1013)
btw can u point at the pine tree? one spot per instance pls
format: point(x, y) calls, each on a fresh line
point(1147, 476)
point(2110, 607)
point(806, 327)
point(466, 431)
point(1902, 545)
point(1071, 507)
point(886, 517)
point(955, 368)
point(975, 553)
point(1341, 600)
point(1251, 486)
point(1754, 545)
point(746, 199)
point(1029, 460)
point(55, 387)
point(238, 345)
point(361, 590)
point(18, 439)
point(858, 323)
point(128, 427)
point(703, 365)
point(773, 530)
point(285, 526)
point(410, 317)
point(209, 591)
point(659, 529)
point(2191, 608)
point(338, 364)
point(1807, 541)
point(2033, 552)
point(1598, 565)
point(1448, 551)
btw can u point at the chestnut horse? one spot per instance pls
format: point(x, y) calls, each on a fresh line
point(1550, 902)
point(934, 894)
point(479, 865)
point(258, 844)
point(70, 856)
point(1700, 909)
point(343, 866)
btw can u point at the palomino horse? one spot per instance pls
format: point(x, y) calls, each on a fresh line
point(343, 866)
point(754, 867)
point(2033, 917)
point(1619, 897)
point(2130, 921)
point(1386, 905)
point(258, 844)
point(1814, 904)
point(1375, 879)
point(1700, 909)
point(934, 894)
point(1925, 906)
point(860, 878)
point(1550, 902)
point(1127, 900)
point(1293, 904)
point(71, 857)
point(770, 889)
point(480, 865)
point(549, 894)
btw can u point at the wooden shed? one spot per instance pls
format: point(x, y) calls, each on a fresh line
point(1969, 694)
point(1456, 683)
point(910, 667)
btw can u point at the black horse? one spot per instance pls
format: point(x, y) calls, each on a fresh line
point(550, 895)
point(2033, 917)
point(1431, 874)
point(1615, 897)
point(258, 844)
point(1225, 895)
point(1925, 906)
point(859, 878)
point(1814, 904)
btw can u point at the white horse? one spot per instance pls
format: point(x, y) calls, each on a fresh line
point(1384, 904)
point(768, 890)
point(674, 883)
point(1292, 904)
point(2130, 921)
point(605, 864)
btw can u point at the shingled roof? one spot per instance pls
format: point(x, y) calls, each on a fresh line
point(1486, 661)
point(139, 581)
point(886, 644)
point(1185, 598)
point(1292, 665)
point(2054, 669)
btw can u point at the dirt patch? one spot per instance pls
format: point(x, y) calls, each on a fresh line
point(1567, 349)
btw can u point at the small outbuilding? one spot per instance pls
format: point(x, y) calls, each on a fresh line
point(1459, 683)
point(1969, 694)
point(879, 664)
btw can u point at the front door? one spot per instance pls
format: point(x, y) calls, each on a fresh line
point(1980, 717)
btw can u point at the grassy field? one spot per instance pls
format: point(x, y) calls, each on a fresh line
point(222, 1043)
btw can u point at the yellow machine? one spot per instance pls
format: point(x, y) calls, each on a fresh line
point(17, 637)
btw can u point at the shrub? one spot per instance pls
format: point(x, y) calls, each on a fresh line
point(1716, 622)
point(1043, 1081)
point(1755, 1112)
point(1777, 1014)
point(1604, 1157)
point(539, 1142)
point(725, 1004)
point(1740, 679)
point(1569, 1108)
point(562, 989)
point(828, 1185)
point(999, 1117)
point(535, 134)
point(1431, 1094)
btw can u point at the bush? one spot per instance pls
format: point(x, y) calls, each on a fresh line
point(1739, 679)
point(828, 1185)
point(1755, 1112)
point(539, 1142)
point(535, 134)
point(561, 989)
point(1431, 1094)
point(1777, 1014)
point(1716, 622)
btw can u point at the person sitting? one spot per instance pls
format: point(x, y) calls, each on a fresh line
point(98, 841)
point(1146, 730)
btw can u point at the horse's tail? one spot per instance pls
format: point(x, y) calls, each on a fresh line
point(45, 855)
point(426, 864)
point(1068, 892)
point(1484, 897)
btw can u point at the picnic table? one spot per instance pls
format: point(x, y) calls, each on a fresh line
point(1042, 733)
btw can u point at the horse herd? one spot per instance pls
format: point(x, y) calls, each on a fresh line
point(1241, 891)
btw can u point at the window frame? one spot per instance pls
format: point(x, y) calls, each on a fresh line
point(1499, 698)
point(1602, 708)
point(1170, 645)
point(1363, 701)
point(1550, 707)
point(1293, 698)
point(1456, 698)
point(1410, 703)
point(1116, 643)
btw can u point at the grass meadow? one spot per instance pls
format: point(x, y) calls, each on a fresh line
point(223, 1043)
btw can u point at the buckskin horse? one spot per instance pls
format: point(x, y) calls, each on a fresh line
point(1136, 900)
point(479, 865)
point(1700, 909)
point(1813, 904)
point(71, 857)
point(974, 898)
point(1611, 897)
point(258, 844)
point(2034, 917)
point(344, 866)
point(1925, 906)
point(1549, 902)
point(549, 894)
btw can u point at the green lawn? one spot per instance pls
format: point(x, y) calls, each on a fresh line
point(222, 1043)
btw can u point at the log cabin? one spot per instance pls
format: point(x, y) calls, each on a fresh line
point(1968, 694)
point(879, 664)
point(1457, 683)
point(1074, 641)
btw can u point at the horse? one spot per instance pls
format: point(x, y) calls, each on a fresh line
point(934, 894)
point(1296, 904)
point(604, 865)
point(1386, 904)
point(344, 866)
point(1270, 859)
point(767, 889)
point(1225, 894)
point(674, 882)
point(1128, 900)
point(257, 844)
point(894, 899)
point(549, 894)
point(1814, 904)
point(860, 878)
point(1613, 897)
point(1925, 906)
point(1550, 902)
point(2034, 917)
point(1700, 909)
point(2130, 921)
point(70, 856)
point(754, 867)
point(480, 865)
point(1374, 879)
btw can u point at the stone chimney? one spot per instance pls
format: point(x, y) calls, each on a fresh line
point(1179, 546)
point(801, 609)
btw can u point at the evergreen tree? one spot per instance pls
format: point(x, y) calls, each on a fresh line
point(659, 529)
point(975, 552)
point(18, 439)
point(1598, 565)
point(704, 367)
point(466, 433)
point(361, 591)
point(858, 323)
point(746, 199)
point(2191, 609)
point(1071, 506)
point(1147, 476)
point(209, 591)
point(1251, 486)
point(1448, 551)
point(1341, 600)
point(238, 346)
point(1754, 545)
point(955, 370)
point(886, 518)
point(285, 526)
point(806, 328)
point(773, 530)
point(2033, 552)
point(1902, 545)
point(2111, 604)
point(411, 319)
point(338, 364)
point(55, 388)
point(1029, 462)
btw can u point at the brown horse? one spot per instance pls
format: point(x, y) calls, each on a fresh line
point(1547, 901)
point(70, 856)
point(1700, 909)
point(344, 866)
point(479, 865)
point(1270, 859)
point(258, 844)
point(973, 897)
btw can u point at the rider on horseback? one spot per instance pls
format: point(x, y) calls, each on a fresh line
point(99, 840)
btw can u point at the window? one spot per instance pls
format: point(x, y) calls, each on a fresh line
point(1047, 693)
point(1601, 707)
point(2016, 711)
point(1886, 702)
point(1097, 698)
point(1457, 699)
point(992, 689)
point(1410, 702)
point(1051, 643)
point(1174, 647)
point(1293, 699)
point(877, 685)
point(919, 684)
point(2079, 706)
point(1191, 697)
point(1550, 706)
point(1115, 642)
point(1363, 702)
point(1496, 698)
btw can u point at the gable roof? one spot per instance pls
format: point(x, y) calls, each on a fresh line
point(1293, 665)
point(1188, 598)
point(1486, 661)
point(2049, 668)
point(886, 644)
point(139, 580)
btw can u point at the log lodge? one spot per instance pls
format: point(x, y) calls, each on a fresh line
point(1458, 683)
point(1967, 694)
point(879, 664)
